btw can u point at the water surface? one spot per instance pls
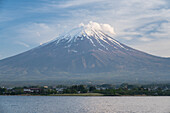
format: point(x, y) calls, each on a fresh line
point(76, 104)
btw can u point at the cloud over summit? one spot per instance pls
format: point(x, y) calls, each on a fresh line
point(99, 26)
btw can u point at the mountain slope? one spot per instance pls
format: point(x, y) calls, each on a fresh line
point(86, 54)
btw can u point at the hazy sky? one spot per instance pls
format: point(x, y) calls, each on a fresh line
point(142, 24)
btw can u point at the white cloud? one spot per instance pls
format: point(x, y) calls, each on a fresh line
point(74, 3)
point(37, 33)
point(145, 39)
point(22, 43)
point(158, 47)
point(99, 26)
point(127, 38)
point(107, 28)
point(42, 25)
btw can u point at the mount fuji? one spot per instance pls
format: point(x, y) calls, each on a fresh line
point(86, 54)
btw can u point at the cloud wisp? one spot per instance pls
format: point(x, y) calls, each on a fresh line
point(22, 43)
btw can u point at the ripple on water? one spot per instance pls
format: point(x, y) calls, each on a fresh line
point(68, 104)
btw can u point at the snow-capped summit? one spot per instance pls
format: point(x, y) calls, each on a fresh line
point(97, 35)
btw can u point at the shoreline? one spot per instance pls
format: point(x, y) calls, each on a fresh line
point(86, 94)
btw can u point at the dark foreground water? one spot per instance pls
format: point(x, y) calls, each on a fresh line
point(70, 104)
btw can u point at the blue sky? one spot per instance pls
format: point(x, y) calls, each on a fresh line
point(142, 24)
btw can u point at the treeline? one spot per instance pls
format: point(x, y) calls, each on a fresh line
point(133, 92)
point(105, 89)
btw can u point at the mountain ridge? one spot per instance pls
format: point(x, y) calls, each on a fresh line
point(85, 54)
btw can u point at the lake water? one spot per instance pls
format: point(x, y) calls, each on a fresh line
point(75, 104)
